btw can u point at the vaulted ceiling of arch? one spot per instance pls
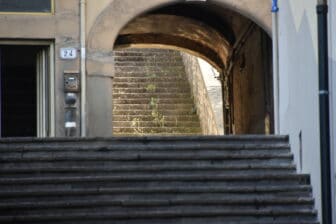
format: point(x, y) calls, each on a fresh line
point(198, 30)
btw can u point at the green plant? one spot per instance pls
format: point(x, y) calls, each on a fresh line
point(136, 126)
point(150, 88)
point(158, 118)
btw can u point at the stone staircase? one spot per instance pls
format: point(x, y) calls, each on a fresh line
point(189, 180)
point(151, 95)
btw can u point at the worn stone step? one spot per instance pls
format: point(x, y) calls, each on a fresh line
point(173, 191)
point(213, 179)
point(174, 212)
point(158, 107)
point(154, 143)
point(157, 201)
point(84, 165)
point(145, 154)
point(65, 190)
point(105, 172)
point(162, 129)
point(150, 80)
point(195, 220)
point(160, 60)
point(40, 167)
point(144, 54)
point(154, 62)
point(142, 134)
point(150, 118)
point(145, 85)
point(142, 74)
point(284, 178)
point(151, 70)
point(186, 106)
point(153, 100)
point(139, 123)
point(83, 173)
point(145, 143)
point(155, 97)
point(149, 90)
point(161, 114)
point(274, 188)
point(150, 111)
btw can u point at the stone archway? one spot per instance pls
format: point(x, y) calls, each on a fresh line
point(114, 19)
point(119, 13)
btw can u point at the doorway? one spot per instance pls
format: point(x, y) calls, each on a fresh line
point(24, 81)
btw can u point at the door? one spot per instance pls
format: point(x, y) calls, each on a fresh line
point(42, 70)
point(26, 91)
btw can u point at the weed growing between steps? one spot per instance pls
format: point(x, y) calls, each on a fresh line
point(158, 118)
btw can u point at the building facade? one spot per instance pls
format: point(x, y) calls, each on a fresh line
point(65, 48)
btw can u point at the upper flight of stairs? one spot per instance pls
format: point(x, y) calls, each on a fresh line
point(151, 94)
point(172, 180)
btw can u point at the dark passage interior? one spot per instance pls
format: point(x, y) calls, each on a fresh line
point(18, 91)
point(235, 46)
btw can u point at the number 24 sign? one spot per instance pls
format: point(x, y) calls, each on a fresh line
point(68, 53)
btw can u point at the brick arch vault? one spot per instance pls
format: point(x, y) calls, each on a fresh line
point(114, 20)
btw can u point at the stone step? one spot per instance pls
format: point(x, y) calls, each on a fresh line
point(156, 96)
point(214, 179)
point(170, 179)
point(78, 163)
point(196, 130)
point(168, 152)
point(150, 107)
point(194, 220)
point(149, 90)
point(125, 152)
point(167, 118)
point(157, 201)
point(153, 102)
point(170, 58)
point(155, 143)
point(170, 190)
point(150, 79)
point(151, 144)
point(150, 63)
point(142, 74)
point(151, 70)
point(82, 173)
point(132, 134)
point(139, 123)
point(146, 85)
point(180, 100)
point(260, 190)
point(161, 114)
point(61, 167)
point(146, 54)
point(159, 212)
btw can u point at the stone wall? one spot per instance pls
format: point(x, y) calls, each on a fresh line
point(207, 98)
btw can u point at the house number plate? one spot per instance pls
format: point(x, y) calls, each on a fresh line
point(68, 53)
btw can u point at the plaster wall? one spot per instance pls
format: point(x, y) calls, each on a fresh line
point(332, 47)
point(299, 115)
point(62, 28)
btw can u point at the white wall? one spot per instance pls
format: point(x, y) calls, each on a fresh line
point(299, 85)
point(332, 47)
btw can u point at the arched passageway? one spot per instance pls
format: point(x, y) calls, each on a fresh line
point(233, 44)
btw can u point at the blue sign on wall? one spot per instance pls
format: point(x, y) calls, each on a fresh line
point(26, 6)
